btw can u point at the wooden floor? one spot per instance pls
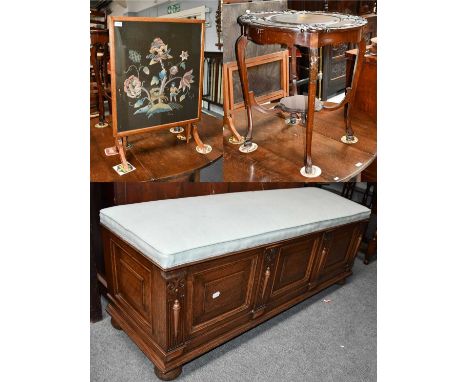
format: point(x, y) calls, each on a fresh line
point(157, 156)
point(280, 152)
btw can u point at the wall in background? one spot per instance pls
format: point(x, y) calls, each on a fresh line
point(211, 38)
point(117, 9)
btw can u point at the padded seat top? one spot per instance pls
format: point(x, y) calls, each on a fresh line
point(175, 232)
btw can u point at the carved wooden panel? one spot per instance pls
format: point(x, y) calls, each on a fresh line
point(221, 292)
point(338, 251)
point(268, 268)
point(200, 306)
point(132, 284)
point(294, 266)
point(175, 308)
point(286, 271)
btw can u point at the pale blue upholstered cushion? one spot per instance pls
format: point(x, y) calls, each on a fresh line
point(180, 231)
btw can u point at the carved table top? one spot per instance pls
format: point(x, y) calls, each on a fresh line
point(302, 21)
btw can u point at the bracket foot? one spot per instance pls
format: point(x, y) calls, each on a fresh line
point(115, 324)
point(169, 375)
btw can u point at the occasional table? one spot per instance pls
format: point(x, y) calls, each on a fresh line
point(308, 29)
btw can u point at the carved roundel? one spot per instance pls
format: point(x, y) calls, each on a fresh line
point(176, 287)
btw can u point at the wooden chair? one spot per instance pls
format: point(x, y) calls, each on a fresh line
point(369, 199)
point(99, 44)
point(97, 19)
point(99, 63)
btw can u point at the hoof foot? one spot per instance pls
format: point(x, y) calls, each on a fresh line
point(115, 324)
point(366, 262)
point(169, 375)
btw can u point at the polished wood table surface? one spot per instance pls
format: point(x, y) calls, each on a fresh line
point(281, 147)
point(157, 156)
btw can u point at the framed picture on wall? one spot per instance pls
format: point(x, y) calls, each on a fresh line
point(156, 73)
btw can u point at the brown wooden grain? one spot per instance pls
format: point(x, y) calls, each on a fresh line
point(157, 156)
point(176, 315)
point(281, 149)
point(366, 92)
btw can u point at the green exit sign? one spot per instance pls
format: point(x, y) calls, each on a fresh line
point(173, 8)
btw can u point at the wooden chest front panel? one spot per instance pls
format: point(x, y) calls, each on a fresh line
point(338, 251)
point(179, 314)
point(221, 292)
point(286, 271)
point(293, 266)
point(132, 283)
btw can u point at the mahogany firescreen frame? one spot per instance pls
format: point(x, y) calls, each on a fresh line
point(156, 67)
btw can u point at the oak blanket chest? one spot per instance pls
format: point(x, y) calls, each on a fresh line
point(186, 275)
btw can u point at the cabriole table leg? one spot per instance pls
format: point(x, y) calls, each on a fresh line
point(350, 138)
point(241, 43)
point(309, 170)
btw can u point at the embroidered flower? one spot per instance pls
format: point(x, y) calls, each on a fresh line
point(186, 80)
point(159, 51)
point(157, 45)
point(184, 55)
point(132, 86)
point(173, 70)
point(134, 56)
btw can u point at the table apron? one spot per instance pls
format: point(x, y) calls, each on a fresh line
point(270, 36)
